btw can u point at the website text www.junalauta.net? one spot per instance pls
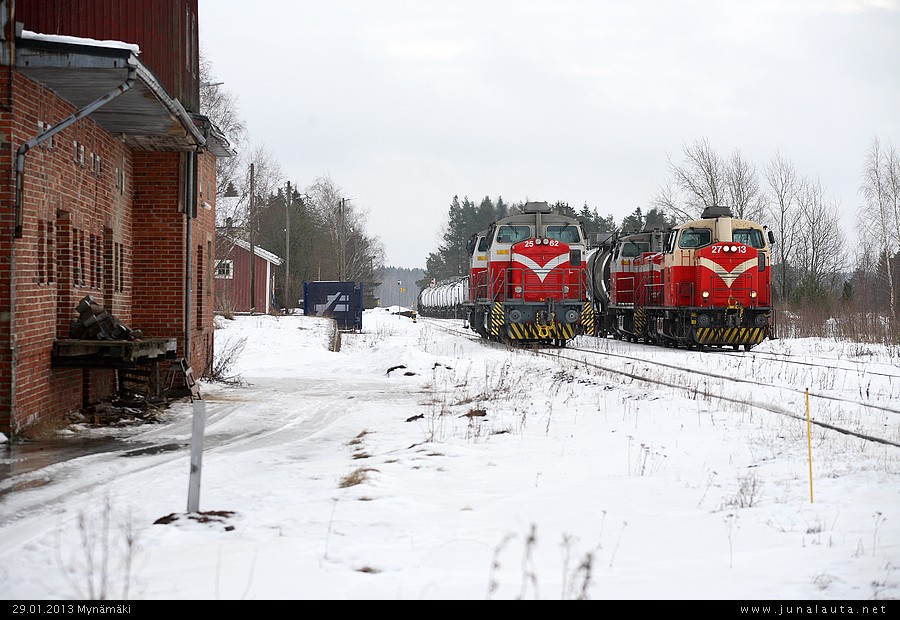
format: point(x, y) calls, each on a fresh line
point(813, 609)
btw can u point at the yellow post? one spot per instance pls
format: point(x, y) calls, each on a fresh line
point(809, 446)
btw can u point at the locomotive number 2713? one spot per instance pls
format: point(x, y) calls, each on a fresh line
point(741, 249)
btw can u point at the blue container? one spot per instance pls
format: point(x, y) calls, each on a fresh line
point(342, 301)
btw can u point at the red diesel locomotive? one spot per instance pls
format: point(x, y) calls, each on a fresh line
point(704, 283)
point(528, 278)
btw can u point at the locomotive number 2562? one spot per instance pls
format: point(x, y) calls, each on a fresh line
point(530, 243)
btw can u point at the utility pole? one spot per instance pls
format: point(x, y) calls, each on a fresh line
point(288, 301)
point(252, 248)
point(341, 243)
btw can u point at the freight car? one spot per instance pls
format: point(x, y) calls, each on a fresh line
point(445, 299)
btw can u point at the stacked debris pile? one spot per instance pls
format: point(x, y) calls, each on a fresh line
point(95, 323)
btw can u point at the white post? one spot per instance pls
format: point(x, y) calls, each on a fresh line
point(199, 423)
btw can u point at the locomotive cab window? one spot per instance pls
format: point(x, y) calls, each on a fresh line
point(513, 234)
point(670, 242)
point(566, 234)
point(749, 236)
point(635, 248)
point(694, 237)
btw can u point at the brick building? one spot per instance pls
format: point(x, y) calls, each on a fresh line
point(107, 190)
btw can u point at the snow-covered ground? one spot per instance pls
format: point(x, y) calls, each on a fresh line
point(418, 464)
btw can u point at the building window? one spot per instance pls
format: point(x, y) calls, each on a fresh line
point(42, 248)
point(209, 268)
point(120, 176)
point(224, 269)
point(50, 254)
point(120, 273)
point(76, 258)
point(200, 285)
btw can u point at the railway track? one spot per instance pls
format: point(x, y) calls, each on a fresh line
point(775, 382)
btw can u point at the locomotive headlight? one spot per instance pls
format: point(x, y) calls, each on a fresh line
point(734, 248)
point(752, 294)
point(518, 290)
point(565, 289)
point(545, 241)
point(726, 249)
point(705, 294)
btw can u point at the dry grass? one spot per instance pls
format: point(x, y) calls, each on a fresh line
point(357, 476)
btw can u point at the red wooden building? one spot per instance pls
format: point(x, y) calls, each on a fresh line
point(237, 283)
point(108, 193)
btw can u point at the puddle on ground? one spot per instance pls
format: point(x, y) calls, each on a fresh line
point(22, 457)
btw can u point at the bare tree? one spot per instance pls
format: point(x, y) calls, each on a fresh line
point(821, 253)
point(221, 107)
point(353, 254)
point(235, 213)
point(881, 213)
point(746, 200)
point(666, 201)
point(700, 182)
point(783, 212)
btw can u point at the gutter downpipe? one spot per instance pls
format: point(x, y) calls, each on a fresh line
point(17, 232)
point(190, 212)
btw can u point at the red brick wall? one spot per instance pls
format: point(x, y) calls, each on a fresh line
point(204, 235)
point(114, 232)
point(160, 255)
point(68, 211)
point(7, 189)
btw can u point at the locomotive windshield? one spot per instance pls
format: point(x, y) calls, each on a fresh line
point(513, 233)
point(566, 234)
point(695, 237)
point(749, 236)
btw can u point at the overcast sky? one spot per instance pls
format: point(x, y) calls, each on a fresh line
point(406, 104)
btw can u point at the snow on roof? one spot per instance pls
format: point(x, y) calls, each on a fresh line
point(59, 38)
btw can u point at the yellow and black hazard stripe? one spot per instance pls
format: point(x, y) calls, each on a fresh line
point(588, 327)
point(640, 320)
point(718, 336)
point(497, 318)
point(532, 331)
